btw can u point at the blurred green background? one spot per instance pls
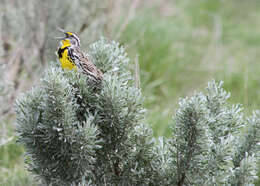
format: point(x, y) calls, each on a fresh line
point(180, 46)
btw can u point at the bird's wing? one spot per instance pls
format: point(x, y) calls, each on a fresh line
point(86, 66)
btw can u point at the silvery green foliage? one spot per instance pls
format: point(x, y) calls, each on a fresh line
point(189, 142)
point(57, 144)
point(77, 132)
point(212, 142)
point(111, 58)
point(247, 152)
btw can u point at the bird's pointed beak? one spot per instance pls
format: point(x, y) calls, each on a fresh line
point(60, 38)
point(63, 31)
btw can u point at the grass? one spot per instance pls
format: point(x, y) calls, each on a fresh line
point(199, 41)
point(12, 171)
point(12, 167)
point(179, 53)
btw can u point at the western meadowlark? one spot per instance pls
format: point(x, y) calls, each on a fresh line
point(71, 57)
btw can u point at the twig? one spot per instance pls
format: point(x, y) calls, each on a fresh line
point(137, 72)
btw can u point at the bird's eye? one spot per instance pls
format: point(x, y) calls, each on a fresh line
point(73, 42)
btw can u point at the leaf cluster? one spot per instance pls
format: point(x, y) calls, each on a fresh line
point(77, 132)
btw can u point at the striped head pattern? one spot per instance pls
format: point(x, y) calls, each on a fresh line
point(70, 39)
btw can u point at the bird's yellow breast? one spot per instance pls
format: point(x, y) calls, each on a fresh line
point(65, 60)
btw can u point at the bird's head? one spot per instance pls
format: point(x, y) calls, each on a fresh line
point(70, 39)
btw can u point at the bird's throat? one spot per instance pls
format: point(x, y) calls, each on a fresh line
point(65, 43)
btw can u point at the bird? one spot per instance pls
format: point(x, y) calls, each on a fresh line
point(71, 57)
